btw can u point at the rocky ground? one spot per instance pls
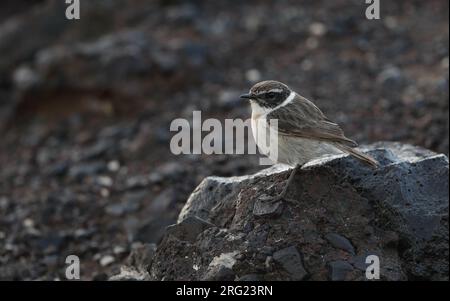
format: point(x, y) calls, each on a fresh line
point(85, 108)
point(335, 215)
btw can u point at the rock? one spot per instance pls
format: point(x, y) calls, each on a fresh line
point(398, 212)
point(107, 260)
point(340, 242)
point(121, 208)
point(189, 228)
point(81, 170)
point(113, 166)
point(265, 208)
point(104, 181)
point(391, 77)
point(137, 182)
point(214, 189)
point(219, 273)
point(167, 171)
point(339, 269)
point(253, 75)
point(221, 267)
point(137, 263)
point(129, 274)
point(290, 260)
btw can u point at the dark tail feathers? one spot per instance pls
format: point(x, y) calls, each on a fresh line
point(358, 155)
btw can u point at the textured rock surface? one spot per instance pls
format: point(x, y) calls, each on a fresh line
point(339, 213)
point(86, 108)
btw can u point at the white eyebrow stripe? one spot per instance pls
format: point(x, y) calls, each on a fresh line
point(288, 100)
point(276, 90)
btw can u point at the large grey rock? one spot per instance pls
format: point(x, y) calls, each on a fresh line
point(339, 212)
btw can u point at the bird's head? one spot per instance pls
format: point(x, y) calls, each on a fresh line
point(268, 94)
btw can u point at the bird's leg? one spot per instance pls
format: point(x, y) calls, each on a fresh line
point(279, 197)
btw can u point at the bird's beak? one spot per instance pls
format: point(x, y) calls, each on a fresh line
point(247, 96)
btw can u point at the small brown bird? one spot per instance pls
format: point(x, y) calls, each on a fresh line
point(303, 132)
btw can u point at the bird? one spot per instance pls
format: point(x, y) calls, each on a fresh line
point(301, 132)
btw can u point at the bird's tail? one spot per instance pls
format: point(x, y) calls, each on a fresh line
point(358, 155)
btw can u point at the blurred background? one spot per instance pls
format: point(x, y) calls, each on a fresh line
point(85, 106)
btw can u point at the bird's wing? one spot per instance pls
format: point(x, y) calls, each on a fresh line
point(301, 118)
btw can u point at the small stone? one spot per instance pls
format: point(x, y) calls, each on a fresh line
point(339, 269)
point(391, 76)
point(317, 29)
point(359, 262)
point(104, 192)
point(267, 250)
point(137, 182)
point(253, 75)
point(263, 208)
point(116, 209)
point(141, 255)
point(28, 223)
point(340, 242)
point(268, 263)
point(130, 274)
point(106, 260)
point(104, 181)
point(445, 62)
point(219, 273)
point(24, 77)
point(221, 267)
point(119, 250)
point(189, 228)
point(290, 260)
point(113, 166)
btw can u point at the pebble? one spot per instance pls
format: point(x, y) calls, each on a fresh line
point(104, 181)
point(189, 228)
point(340, 242)
point(106, 260)
point(339, 269)
point(264, 209)
point(253, 75)
point(291, 261)
point(113, 166)
point(317, 29)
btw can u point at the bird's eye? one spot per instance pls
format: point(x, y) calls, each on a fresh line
point(271, 95)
